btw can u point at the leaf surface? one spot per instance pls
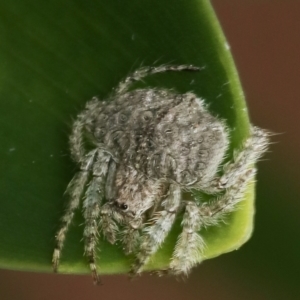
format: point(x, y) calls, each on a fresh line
point(56, 55)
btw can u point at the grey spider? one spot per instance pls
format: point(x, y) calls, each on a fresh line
point(147, 146)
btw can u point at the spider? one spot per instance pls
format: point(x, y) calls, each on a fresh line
point(138, 151)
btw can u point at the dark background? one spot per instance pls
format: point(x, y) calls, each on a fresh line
point(265, 41)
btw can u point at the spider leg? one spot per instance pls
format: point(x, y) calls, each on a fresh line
point(77, 136)
point(139, 74)
point(190, 245)
point(252, 150)
point(215, 210)
point(107, 222)
point(160, 226)
point(108, 215)
point(75, 190)
point(131, 234)
point(91, 209)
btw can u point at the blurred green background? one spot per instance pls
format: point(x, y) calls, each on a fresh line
point(264, 39)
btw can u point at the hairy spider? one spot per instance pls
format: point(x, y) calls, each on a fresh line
point(147, 147)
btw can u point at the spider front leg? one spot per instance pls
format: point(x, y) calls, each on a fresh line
point(130, 235)
point(160, 226)
point(91, 209)
point(108, 214)
point(109, 218)
point(75, 190)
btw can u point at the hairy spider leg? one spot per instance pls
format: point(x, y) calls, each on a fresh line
point(91, 209)
point(159, 227)
point(109, 216)
point(77, 184)
point(190, 245)
point(130, 235)
point(75, 190)
point(253, 148)
point(141, 73)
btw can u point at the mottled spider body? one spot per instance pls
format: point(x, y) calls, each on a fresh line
point(147, 146)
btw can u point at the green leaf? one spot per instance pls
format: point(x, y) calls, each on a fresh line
point(54, 56)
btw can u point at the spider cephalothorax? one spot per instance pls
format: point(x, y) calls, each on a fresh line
point(148, 146)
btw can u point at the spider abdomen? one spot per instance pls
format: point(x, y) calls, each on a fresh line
point(162, 134)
